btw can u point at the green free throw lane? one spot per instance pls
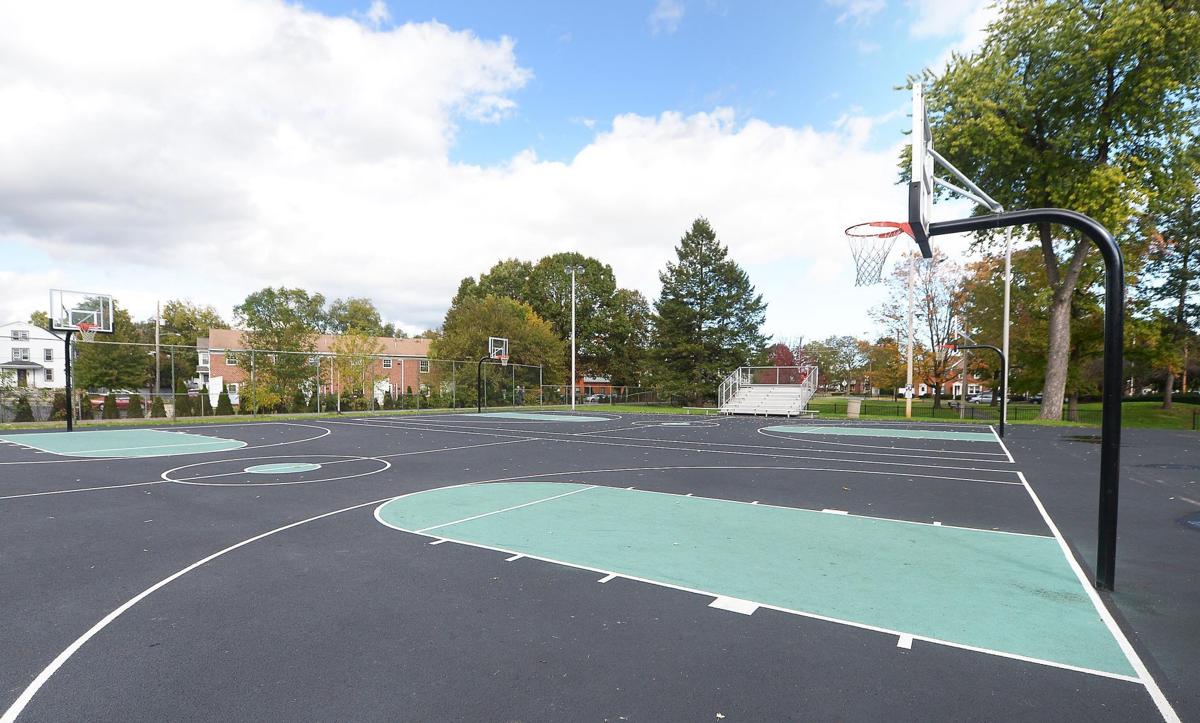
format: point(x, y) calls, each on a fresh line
point(1014, 594)
point(123, 443)
point(897, 433)
point(536, 417)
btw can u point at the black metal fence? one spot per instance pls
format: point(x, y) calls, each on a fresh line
point(970, 412)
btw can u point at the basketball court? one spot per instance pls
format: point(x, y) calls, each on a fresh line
point(576, 566)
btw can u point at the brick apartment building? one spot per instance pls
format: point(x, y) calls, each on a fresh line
point(403, 363)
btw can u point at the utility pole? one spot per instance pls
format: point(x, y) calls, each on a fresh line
point(572, 270)
point(1004, 331)
point(908, 397)
point(157, 357)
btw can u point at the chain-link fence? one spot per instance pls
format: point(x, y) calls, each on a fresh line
point(951, 410)
point(136, 380)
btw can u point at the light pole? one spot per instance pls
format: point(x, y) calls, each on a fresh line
point(908, 395)
point(572, 270)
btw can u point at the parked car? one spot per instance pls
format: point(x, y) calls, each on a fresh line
point(596, 398)
point(984, 398)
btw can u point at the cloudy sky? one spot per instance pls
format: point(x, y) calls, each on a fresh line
point(203, 150)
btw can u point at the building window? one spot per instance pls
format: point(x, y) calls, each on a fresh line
point(230, 360)
point(203, 358)
point(424, 368)
point(20, 335)
point(924, 390)
point(387, 363)
point(957, 390)
point(49, 375)
point(20, 353)
point(232, 387)
point(972, 389)
point(48, 354)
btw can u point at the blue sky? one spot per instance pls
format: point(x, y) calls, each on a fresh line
point(388, 149)
point(789, 63)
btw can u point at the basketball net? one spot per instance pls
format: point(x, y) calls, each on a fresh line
point(870, 244)
point(87, 332)
point(503, 359)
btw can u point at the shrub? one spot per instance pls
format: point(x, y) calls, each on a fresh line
point(110, 407)
point(157, 409)
point(58, 407)
point(388, 402)
point(136, 409)
point(23, 411)
point(224, 408)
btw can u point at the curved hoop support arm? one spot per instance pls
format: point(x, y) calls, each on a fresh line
point(1114, 342)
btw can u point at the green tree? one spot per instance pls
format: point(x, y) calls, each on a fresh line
point(470, 322)
point(355, 364)
point(181, 400)
point(1069, 104)
point(224, 406)
point(58, 407)
point(837, 358)
point(1173, 270)
point(183, 322)
point(626, 338)
point(113, 365)
point(281, 320)
point(23, 412)
point(40, 319)
point(708, 319)
point(110, 410)
point(355, 314)
point(509, 278)
point(135, 410)
point(157, 409)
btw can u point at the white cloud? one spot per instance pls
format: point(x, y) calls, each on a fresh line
point(165, 152)
point(378, 14)
point(965, 21)
point(666, 16)
point(858, 11)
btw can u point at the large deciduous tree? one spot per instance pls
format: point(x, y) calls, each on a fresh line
point(356, 314)
point(183, 322)
point(1069, 104)
point(708, 318)
point(113, 365)
point(283, 324)
point(1173, 269)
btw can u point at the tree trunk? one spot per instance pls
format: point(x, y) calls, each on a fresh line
point(1058, 355)
point(1168, 389)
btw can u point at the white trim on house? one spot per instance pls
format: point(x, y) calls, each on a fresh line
point(42, 350)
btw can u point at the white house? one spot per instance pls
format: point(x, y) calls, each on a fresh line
point(31, 357)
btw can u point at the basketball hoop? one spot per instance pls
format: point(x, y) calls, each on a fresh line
point(870, 244)
point(503, 358)
point(87, 332)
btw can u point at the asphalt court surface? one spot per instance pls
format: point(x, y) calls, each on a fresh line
point(548, 566)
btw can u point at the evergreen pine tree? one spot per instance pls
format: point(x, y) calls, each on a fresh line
point(709, 318)
point(388, 402)
point(23, 411)
point(58, 407)
point(157, 409)
point(136, 409)
point(224, 407)
point(182, 402)
point(110, 407)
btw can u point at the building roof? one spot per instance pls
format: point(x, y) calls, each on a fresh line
point(21, 364)
point(232, 339)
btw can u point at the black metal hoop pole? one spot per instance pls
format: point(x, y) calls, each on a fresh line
point(1003, 371)
point(1114, 359)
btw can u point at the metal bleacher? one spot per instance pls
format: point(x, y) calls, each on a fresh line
point(768, 391)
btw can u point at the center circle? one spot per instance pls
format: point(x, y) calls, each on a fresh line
point(282, 468)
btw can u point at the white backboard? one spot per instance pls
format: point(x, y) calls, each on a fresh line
point(68, 309)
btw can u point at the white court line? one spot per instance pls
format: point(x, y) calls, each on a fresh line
point(1002, 445)
point(506, 509)
point(606, 578)
point(82, 452)
point(406, 424)
point(801, 613)
point(18, 705)
point(440, 541)
point(735, 605)
point(905, 642)
point(1135, 661)
point(81, 489)
point(514, 558)
point(593, 441)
